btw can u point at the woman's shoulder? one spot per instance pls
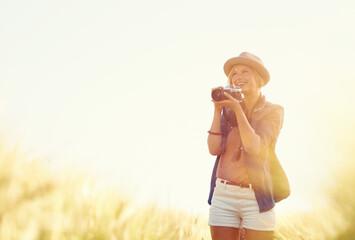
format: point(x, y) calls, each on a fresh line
point(271, 110)
point(266, 105)
point(273, 106)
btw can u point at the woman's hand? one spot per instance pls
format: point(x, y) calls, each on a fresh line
point(231, 103)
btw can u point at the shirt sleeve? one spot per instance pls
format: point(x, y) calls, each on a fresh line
point(266, 131)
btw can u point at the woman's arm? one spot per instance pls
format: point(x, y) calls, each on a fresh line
point(215, 141)
point(246, 131)
point(267, 131)
point(254, 140)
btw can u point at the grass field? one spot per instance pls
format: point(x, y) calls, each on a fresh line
point(38, 204)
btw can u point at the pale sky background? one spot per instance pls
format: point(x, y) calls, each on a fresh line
point(122, 88)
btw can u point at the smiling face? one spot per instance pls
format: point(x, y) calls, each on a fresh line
point(246, 78)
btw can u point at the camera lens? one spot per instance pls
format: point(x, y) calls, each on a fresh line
point(218, 95)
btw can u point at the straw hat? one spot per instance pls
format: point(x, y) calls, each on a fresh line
point(250, 60)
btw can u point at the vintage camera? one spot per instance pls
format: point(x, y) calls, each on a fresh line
point(236, 92)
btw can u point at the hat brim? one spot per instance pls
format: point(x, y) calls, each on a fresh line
point(264, 73)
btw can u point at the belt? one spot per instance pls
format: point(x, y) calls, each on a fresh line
point(242, 185)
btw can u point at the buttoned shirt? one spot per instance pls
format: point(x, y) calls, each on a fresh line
point(266, 119)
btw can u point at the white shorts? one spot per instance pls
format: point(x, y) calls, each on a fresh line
point(233, 206)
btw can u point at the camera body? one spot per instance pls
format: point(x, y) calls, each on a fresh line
point(236, 92)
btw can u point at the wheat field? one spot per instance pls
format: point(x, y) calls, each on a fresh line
point(39, 204)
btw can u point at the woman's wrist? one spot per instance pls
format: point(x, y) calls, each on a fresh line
point(237, 107)
point(217, 111)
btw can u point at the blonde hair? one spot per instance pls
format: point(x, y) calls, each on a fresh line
point(258, 79)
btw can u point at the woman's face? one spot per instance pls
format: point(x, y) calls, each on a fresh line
point(244, 77)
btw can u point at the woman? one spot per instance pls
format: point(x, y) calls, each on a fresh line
point(241, 187)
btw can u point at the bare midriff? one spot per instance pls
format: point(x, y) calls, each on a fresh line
point(231, 166)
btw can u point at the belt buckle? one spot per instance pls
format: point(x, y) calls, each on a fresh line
point(224, 182)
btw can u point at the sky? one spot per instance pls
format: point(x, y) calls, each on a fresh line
point(121, 89)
